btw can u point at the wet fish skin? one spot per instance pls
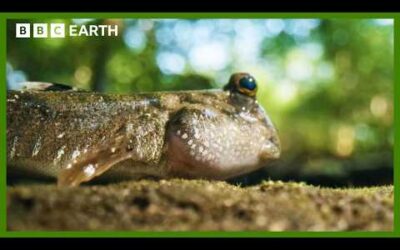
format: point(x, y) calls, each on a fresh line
point(75, 136)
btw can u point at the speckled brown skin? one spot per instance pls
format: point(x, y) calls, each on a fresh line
point(76, 136)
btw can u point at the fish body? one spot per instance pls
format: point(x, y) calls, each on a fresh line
point(75, 136)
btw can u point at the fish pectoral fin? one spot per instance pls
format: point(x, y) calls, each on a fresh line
point(94, 162)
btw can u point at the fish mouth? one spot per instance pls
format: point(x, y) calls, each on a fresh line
point(271, 149)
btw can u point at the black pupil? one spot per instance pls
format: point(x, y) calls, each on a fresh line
point(248, 82)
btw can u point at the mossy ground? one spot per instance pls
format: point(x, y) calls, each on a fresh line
point(198, 205)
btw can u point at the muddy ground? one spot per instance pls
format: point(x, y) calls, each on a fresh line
point(198, 205)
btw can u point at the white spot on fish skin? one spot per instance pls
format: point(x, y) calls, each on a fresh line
point(89, 170)
point(178, 132)
point(246, 116)
point(60, 153)
point(75, 154)
point(201, 149)
point(69, 166)
point(209, 113)
point(129, 128)
point(94, 125)
point(184, 136)
point(16, 96)
point(37, 146)
point(190, 142)
point(60, 135)
point(13, 147)
point(113, 149)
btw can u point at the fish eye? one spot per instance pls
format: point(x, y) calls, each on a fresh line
point(248, 83)
point(242, 83)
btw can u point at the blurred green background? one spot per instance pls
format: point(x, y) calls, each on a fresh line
point(327, 84)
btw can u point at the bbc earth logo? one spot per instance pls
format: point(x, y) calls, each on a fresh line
point(60, 30)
